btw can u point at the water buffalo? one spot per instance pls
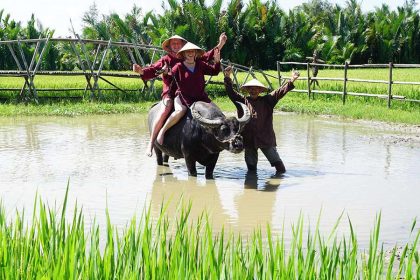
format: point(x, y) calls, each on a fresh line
point(201, 135)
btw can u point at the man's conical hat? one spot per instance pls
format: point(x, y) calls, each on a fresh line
point(254, 83)
point(166, 43)
point(190, 46)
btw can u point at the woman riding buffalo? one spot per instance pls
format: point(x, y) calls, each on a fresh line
point(189, 78)
point(172, 46)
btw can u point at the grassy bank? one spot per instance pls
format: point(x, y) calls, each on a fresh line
point(73, 109)
point(134, 101)
point(52, 247)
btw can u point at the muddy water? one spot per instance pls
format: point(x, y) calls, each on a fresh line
point(334, 167)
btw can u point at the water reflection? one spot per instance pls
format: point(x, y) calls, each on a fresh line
point(269, 185)
point(387, 165)
point(256, 203)
point(172, 189)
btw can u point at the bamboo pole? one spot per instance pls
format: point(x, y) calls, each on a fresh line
point(346, 65)
point(279, 73)
point(82, 65)
point(267, 80)
point(409, 100)
point(247, 75)
point(34, 55)
point(309, 80)
point(390, 85)
point(406, 83)
point(41, 55)
point(37, 67)
point(14, 57)
point(112, 84)
point(98, 72)
point(314, 64)
point(368, 66)
point(94, 63)
point(136, 50)
point(326, 79)
point(234, 72)
point(369, 81)
point(87, 41)
point(28, 80)
point(89, 68)
point(96, 56)
point(406, 65)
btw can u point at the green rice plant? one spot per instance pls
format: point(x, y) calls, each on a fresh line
point(50, 246)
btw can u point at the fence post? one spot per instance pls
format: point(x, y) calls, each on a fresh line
point(267, 80)
point(234, 72)
point(82, 65)
point(346, 66)
point(309, 80)
point(279, 73)
point(391, 65)
point(247, 75)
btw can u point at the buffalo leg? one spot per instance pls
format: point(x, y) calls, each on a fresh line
point(159, 158)
point(192, 170)
point(165, 158)
point(211, 165)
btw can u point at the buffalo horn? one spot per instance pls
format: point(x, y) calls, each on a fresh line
point(246, 117)
point(204, 121)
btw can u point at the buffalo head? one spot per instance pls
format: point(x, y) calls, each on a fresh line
point(226, 131)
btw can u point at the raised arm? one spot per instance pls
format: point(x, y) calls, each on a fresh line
point(150, 72)
point(208, 56)
point(281, 92)
point(222, 41)
point(234, 96)
point(212, 70)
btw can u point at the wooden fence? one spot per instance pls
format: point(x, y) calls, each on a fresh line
point(345, 79)
point(91, 65)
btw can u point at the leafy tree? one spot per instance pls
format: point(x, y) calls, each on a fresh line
point(259, 32)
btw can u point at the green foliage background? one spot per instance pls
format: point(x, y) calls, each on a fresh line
point(260, 32)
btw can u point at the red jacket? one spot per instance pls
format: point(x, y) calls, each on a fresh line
point(150, 71)
point(190, 85)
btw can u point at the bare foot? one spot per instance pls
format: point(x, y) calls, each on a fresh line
point(160, 138)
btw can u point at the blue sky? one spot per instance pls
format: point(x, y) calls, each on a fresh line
point(57, 13)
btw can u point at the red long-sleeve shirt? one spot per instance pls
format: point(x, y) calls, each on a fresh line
point(190, 85)
point(150, 72)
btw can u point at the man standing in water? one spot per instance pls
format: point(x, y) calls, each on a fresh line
point(259, 132)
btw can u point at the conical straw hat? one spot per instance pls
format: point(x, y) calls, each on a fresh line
point(254, 83)
point(165, 44)
point(190, 46)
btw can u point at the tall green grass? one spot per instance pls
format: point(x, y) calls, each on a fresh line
point(52, 247)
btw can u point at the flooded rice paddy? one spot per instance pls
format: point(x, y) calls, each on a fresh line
point(334, 167)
